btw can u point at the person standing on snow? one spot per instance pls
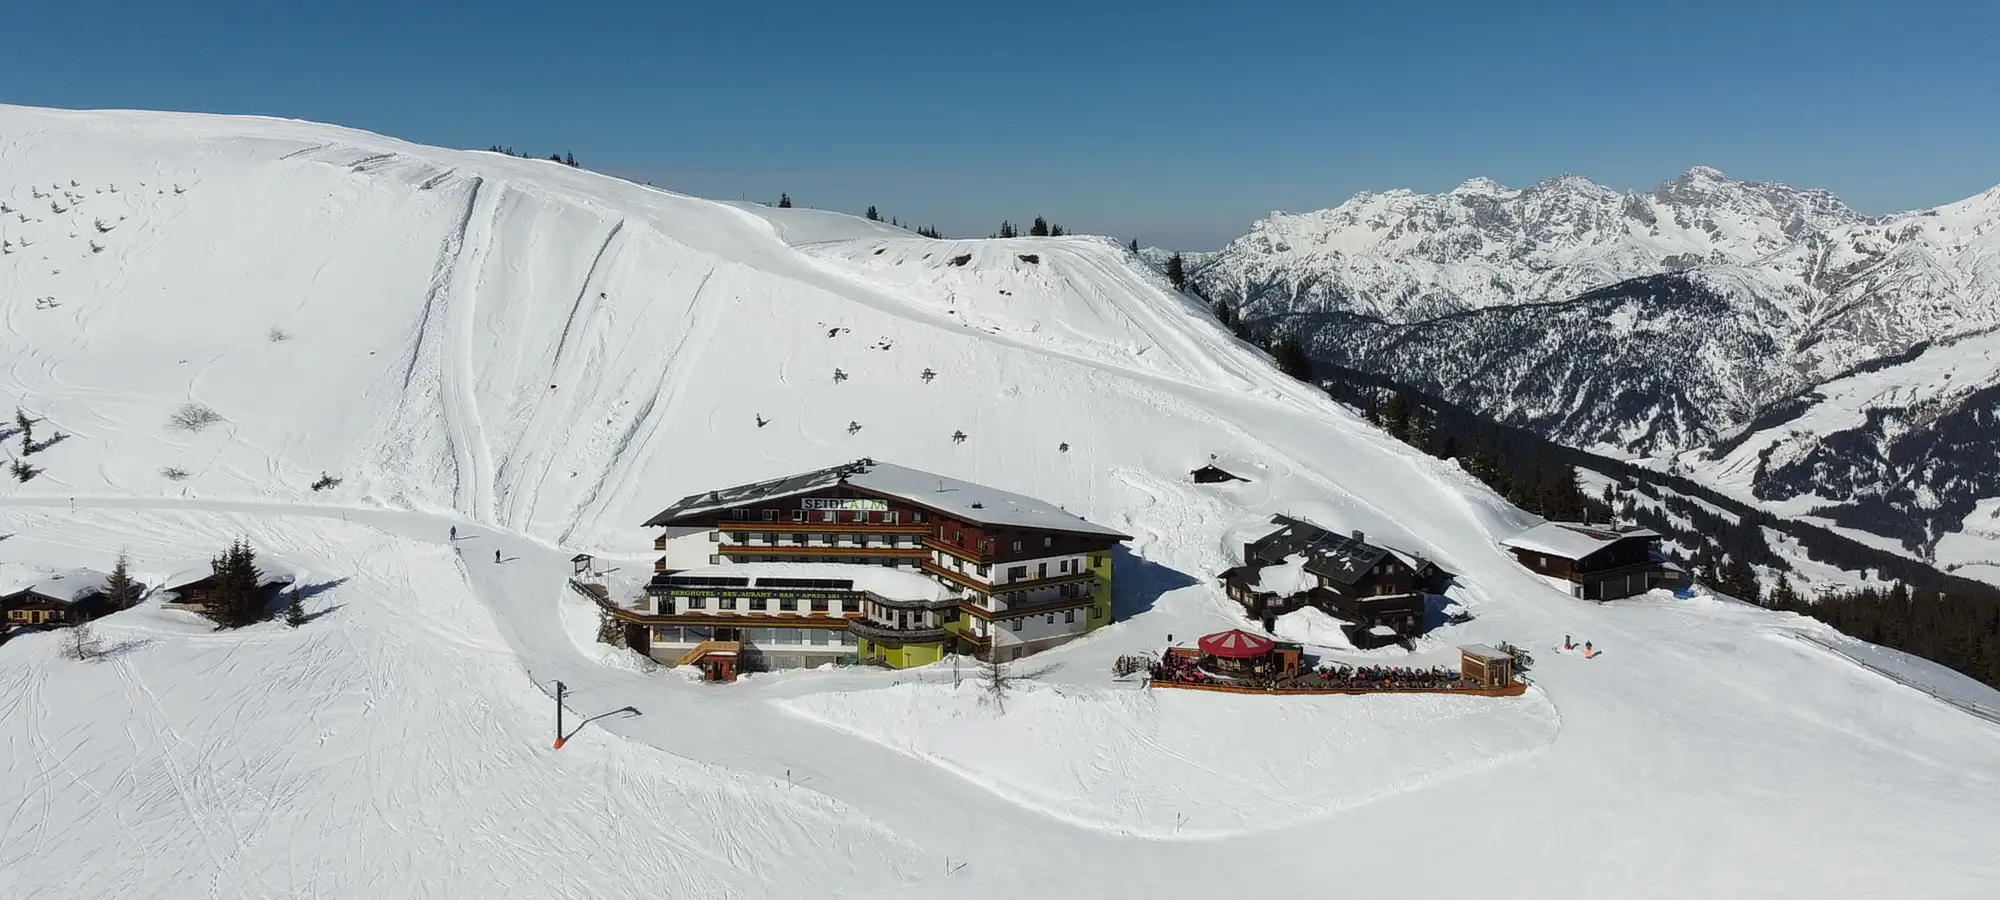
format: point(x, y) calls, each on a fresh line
point(496, 556)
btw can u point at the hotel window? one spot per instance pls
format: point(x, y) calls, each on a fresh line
point(958, 537)
point(770, 515)
point(770, 537)
point(1016, 624)
point(739, 514)
point(798, 515)
point(715, 559)
point(739, 537)
point(1069, 617)
point(827, 515)
point(799, 537)
point(1048, 542)
point(1017, 546)
point(1016, 573)
point(1096, 613)
point(696, 602)
point(788, 604)
point(890, 517)
point(1052, 618)
point(819, 606)
point(860, 515)
point(985, 570)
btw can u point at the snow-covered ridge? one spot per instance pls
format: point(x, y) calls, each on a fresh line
point(1402, 255)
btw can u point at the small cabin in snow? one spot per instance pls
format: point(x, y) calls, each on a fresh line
point(1379, 592)
point(66, 597)
point(193, 590)
point(1601, 562)
point(1214, 474)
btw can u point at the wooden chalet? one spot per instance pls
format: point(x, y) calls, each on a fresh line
point(1377, 591)
point(1601, 562)
point(192, 590)
point(1019, 574)
point(46, 599)
point(1214, 474)
point(1484, 667)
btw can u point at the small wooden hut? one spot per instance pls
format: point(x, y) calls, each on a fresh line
point(1481, 666)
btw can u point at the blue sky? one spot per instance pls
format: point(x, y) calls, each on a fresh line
point(1176, 123)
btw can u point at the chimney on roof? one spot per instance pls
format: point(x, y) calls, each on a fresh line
point(1360, 538)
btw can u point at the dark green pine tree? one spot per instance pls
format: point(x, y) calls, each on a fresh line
point(1040, 228)
point(1177, 272)
point(120, 587)
point(1783, 595)
point(1565, 495)
point(1396, 416)
point(1740, 581)
point(872, 215)
point(235, 600)
point(1007, 229)
point(295, 611)
point(569, 159)
point(1291, 359)
point(784, 201)
point(1057, 231)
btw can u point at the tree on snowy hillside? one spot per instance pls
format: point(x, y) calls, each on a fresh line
point(784, 201)
point(1177, 272)
point(995, 681)
point(1007, 230)
point(1040, 228)
point(83, 643)
point(1291, 359)
point(26, 425)
point(120, 587)
point(872, 215)
point(235, 601)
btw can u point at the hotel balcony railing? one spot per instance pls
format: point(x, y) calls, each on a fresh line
point(876, 631)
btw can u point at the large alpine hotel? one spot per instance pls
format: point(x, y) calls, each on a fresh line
point(871, 561)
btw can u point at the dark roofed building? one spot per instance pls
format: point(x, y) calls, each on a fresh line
point(1601, 562)
point(1379, 592)
point(1213, 474)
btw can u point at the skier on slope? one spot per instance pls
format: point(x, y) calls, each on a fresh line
point(496, 555)
point(454, 532)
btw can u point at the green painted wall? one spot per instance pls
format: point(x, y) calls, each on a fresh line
point(1100, 605)
point(901, 656)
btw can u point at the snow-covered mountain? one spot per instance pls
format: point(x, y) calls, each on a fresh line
point(341, 345)
point(1637, 323)
point(1404, 256)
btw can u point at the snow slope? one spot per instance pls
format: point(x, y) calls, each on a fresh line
point(544, 357)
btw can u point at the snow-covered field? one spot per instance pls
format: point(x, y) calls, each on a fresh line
point(544, 357)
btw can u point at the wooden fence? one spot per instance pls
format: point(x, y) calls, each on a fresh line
point(1513, 690)
point(1985, 712)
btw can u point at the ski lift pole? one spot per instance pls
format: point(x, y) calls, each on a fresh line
point(559, 730)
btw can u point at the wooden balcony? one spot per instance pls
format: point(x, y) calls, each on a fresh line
point(1027, 584)
point(820, 551)
point(788, 527)
point(890, 634)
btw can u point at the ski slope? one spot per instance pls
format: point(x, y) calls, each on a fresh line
point(544, 357)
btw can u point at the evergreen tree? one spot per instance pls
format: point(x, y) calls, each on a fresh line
point(1740, 581)
point(1056, 231)
point(1177, 272)
point(1783, 595)
point(1291, 359)
point(295, 611)
point(873, 216)
point(784, 201)
point(569, 159)
point(120, 587)
point(235, 600)
point(1040, 228)
point(1007, 229)
point(1396, 417)
point(27, 429)
point(555, 157)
